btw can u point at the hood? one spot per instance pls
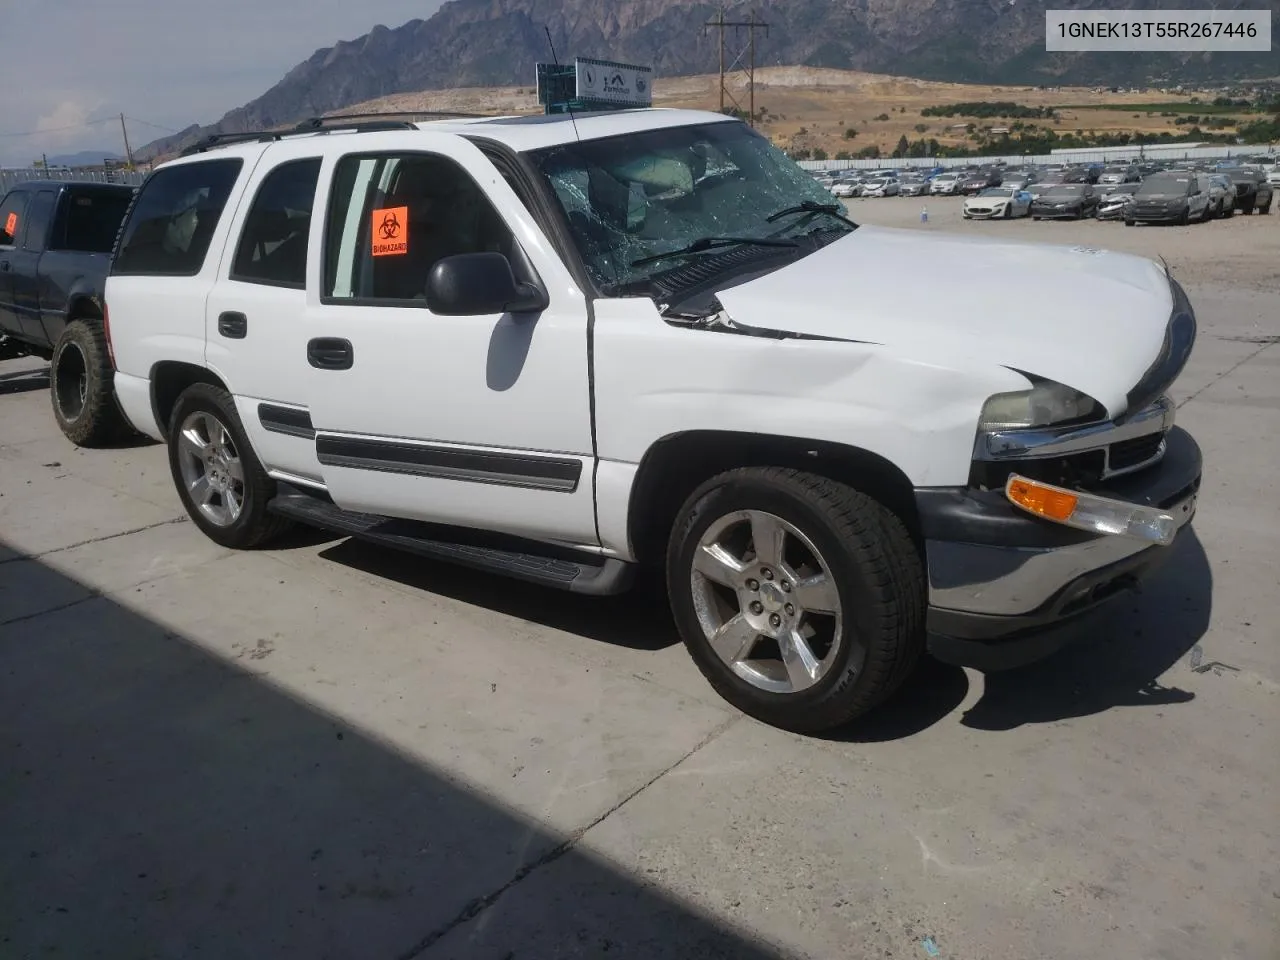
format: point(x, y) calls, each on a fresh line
point(1088, 318)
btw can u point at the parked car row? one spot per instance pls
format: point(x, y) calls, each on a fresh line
point(1065, 191)
point(1134, 192)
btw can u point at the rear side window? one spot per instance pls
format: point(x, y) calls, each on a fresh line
point(92, 220)
point(273, 243)
point(39, 213)
point(12, 213)
point(172, 224)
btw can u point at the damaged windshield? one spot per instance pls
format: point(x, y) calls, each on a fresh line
point(631, 198)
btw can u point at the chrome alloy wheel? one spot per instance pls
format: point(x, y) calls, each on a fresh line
point(766, 601)
point(211, 468)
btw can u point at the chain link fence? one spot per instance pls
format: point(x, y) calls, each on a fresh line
point(11, 178)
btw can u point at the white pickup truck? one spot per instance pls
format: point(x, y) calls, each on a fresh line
point(558, 348)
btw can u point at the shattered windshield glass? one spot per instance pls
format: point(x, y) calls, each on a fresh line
point(640, 194)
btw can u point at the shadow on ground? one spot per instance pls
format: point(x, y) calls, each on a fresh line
point(1117, 662)
point(639, 619)
point(1114, 660)
point(160, 802)
point(24, 381)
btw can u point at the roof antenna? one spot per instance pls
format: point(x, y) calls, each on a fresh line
point(556, 60)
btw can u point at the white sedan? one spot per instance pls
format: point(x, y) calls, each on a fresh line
point(847, 188)
point(1003, 202)
point(881, 187)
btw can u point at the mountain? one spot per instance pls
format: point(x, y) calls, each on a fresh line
point(498, 42)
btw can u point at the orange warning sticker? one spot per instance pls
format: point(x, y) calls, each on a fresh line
point(11, 225)
point(390, 232)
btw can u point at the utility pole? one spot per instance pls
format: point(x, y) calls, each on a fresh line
point(127, 152)
point(749, 52)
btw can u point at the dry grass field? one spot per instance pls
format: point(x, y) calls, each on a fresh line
point(808, 107)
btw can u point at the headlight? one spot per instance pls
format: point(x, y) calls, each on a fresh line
point(1044, 404)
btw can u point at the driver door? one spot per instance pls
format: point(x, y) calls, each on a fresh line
point(478, 421)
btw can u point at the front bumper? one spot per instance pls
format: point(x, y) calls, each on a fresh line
point(1158, 215)
point(1003, 584)
point(1057, 213)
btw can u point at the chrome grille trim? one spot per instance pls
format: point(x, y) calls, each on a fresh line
point(1059, 441)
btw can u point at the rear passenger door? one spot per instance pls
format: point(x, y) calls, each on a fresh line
point(255, 320)
point(25, 267)
point(13, 212)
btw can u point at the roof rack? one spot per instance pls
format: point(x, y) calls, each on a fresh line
point(314, 125)
point(424, 114)
point(356, 122)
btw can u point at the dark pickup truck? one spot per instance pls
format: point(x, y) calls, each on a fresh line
point(1252, 190)
point(55, 250)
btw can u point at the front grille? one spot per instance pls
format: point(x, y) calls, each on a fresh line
point(1130, 453)
point(1088, 470)
point(1077, 471)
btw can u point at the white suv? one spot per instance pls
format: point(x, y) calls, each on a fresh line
point(558, 349)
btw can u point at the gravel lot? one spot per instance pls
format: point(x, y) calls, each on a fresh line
point(328, 751)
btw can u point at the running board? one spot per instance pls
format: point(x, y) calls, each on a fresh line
point(561, 568)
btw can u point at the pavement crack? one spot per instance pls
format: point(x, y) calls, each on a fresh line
point(93, 595)
point(1226, 373)
point(101, 539)
point(480, 904)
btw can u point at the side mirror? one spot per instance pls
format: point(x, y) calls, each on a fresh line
point(480, 284)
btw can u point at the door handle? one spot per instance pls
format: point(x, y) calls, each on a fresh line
point(330, 353)
point(233, 325)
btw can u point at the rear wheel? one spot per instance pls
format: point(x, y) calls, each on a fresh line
point(80, 387)
point(800, 599)
point(1247, 209)
point(1265, 209)
point(221, 482)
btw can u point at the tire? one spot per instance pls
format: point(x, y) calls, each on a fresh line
point(198, 450)
point(858, 655)
point(1266, 209)
point(1247, 209)
point(1008, 213)
point(80, 387)
point(1130, 223)
point(1185, 218)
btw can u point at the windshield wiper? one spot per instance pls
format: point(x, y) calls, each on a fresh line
point(703, 244)
point(811, 206)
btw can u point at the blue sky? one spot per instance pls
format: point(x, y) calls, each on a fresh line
point(168, 62)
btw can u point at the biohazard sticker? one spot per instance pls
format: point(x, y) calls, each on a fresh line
point(390, 232)
point(11, 225)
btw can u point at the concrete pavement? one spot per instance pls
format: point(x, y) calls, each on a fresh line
point(326, 750)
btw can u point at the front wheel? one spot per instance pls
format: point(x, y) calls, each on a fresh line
point(219, 478)
point(1266, 209)
point(81, 386)
point(1248, 209)
point(801, 600)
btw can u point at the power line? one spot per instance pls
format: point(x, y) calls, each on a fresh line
point(73, 126)
point(148, 123)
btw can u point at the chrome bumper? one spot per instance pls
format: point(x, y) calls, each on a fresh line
point(1015, 581)
point(997, 574)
